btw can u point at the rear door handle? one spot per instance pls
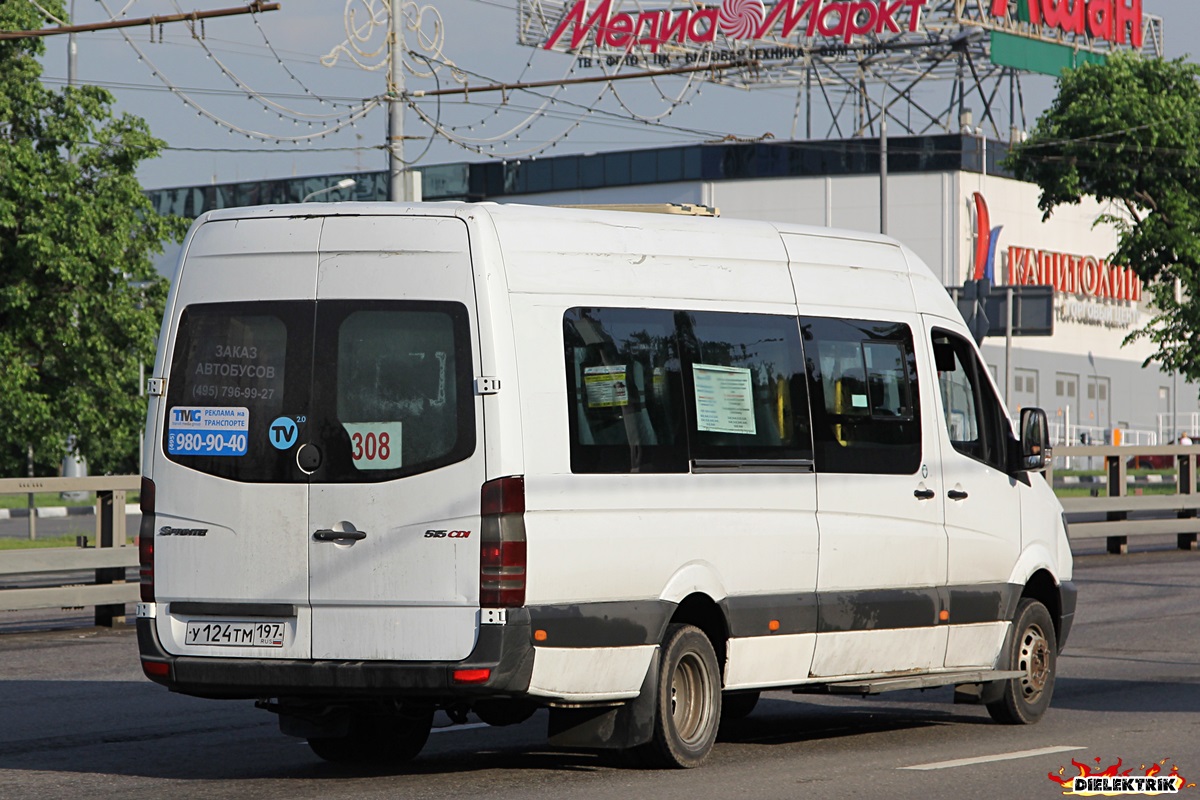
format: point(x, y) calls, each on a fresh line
point(955, 494)
point(923, 494)
point(327, 535)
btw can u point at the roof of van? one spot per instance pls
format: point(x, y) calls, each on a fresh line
point(616, 215)
point(840, 267)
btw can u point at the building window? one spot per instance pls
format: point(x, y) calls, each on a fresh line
point(1025, 381)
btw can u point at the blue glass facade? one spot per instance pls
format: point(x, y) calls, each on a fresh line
point(497, 180)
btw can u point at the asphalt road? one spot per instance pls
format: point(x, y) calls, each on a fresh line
point(78, 719)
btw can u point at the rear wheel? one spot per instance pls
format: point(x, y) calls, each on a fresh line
point(1032, 649)
point(688, 709)
point(377, 739)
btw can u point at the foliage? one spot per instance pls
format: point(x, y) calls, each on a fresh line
point(80, 301)
point(1128, 132)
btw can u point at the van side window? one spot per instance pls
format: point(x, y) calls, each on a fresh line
point(866, 409)
point(974, 418)
point(744, 377)
point(623, 381)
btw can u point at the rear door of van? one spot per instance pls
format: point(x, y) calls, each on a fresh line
point(343, 524)
point(231, 521)
point(395, 418)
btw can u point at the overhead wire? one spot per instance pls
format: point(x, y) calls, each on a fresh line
point(342, 122)
point(248, 89)
point(590, 108)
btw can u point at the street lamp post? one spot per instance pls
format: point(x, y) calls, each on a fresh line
point(344, 183)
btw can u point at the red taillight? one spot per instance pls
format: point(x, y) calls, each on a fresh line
point(503, 496)
point(156, 669)
point(502, 543)
point(472, 675)
point(146, 541)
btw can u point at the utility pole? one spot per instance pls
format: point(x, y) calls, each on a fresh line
point(883, 174)
point(397, 189)
point(72, 51)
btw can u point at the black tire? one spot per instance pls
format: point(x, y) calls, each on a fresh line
point(378, 739)
point(688, 706)
point(738, 705)
point(1032, 648)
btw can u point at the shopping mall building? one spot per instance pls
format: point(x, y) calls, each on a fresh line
point(943, 194)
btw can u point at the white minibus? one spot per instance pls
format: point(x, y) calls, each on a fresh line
point(631, 468)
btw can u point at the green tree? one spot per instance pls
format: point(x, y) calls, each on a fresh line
point(80, 301)
point(1128, 133)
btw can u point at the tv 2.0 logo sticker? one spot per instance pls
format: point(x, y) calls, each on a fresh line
point(284, 431)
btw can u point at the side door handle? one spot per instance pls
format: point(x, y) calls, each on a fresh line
point(923, 494)
point(327, 535)
point(955, 494)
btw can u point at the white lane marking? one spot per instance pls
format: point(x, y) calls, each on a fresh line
point(962, 762)
point(466, 727)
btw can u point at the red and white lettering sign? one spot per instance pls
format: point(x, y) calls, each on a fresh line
point(735, 20)
point(1116, 21)
point(1071, 274)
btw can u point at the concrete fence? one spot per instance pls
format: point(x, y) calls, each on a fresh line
point(107, 559)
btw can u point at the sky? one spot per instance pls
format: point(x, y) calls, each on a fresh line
point(213, 97)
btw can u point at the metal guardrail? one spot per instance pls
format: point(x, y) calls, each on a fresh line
point(109, 558)
point(1116, 504)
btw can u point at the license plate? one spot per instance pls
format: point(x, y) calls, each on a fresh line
point(235, 634)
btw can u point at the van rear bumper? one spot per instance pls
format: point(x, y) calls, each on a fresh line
point(505, 650)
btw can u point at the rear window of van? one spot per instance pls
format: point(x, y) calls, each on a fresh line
point(369, 390)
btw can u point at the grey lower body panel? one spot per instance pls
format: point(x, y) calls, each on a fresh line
point(505, 650)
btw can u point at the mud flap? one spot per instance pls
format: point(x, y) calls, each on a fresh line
point(609, 728)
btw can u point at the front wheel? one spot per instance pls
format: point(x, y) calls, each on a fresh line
point(1033, 649)
point(377, 739)
point(688, 709)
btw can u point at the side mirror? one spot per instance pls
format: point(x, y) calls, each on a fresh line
point(1036, 452)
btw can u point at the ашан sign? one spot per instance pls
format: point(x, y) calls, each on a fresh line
point(1116, 21)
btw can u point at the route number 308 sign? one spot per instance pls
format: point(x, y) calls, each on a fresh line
point(375, 445)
